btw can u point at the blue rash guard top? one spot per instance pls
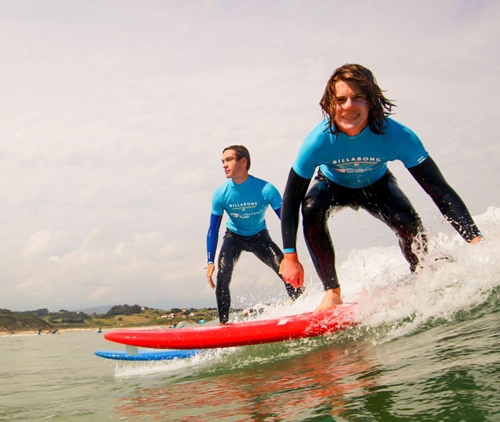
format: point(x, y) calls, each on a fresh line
point(245, 204)
point(360, 160)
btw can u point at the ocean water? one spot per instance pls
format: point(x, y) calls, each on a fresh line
point(427, 349)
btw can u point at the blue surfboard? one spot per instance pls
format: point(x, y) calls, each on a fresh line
point(147, 355)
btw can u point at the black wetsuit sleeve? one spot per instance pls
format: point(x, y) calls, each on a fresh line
point(295, 190)
point(428, 175)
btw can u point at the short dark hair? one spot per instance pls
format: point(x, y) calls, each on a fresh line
point(241, 152)
point(379, 106)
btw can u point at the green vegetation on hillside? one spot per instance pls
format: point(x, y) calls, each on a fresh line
point(118, 316)
point(11, 322)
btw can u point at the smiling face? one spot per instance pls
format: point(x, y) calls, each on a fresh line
point(233, 168)
point(351, 112)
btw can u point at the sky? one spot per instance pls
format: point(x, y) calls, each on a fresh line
point(115, 114)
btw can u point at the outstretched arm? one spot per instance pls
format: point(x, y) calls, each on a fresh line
point(291, 269)
point(212, 239)
point(428, 175)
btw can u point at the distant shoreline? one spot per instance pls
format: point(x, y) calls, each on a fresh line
point(123, 316)
point(69, 330)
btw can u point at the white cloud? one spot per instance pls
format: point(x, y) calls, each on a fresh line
point(115, 115)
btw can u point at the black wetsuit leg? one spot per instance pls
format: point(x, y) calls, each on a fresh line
point(387, 202)
point(321, 199)
point(263, 247)
point(228, 256)
point(384, 200)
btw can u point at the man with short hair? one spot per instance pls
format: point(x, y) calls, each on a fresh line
point(245, 199)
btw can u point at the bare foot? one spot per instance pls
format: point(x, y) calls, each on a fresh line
point(330, 300)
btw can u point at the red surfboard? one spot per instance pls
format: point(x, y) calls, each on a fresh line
point(309, 324)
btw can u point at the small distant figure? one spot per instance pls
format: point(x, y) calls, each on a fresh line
point(99, 330)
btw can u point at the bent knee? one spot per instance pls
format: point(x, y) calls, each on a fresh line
point(409, 222)
point(313, 209)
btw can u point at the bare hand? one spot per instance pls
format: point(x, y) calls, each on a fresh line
point(477, 239)
point(292, 271)
point(210, 271)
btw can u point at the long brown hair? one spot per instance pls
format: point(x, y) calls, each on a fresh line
point(379, 106)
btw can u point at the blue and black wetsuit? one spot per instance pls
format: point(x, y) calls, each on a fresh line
point(245, 205)
point(353, 172)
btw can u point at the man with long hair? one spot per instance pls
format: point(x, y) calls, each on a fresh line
point(351, 148)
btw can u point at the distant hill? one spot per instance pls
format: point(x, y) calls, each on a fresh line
point(100, 310)
point(113, 317)
point(11, 322)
